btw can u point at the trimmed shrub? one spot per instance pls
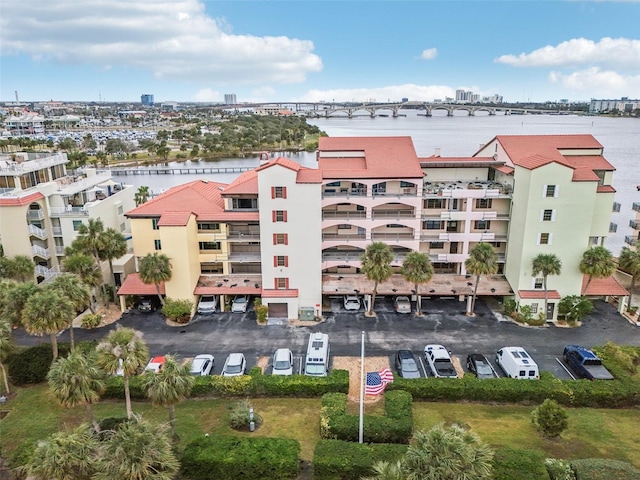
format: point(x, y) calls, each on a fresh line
point(177, 310)
point(32, 364)
point(250, 458)
point(396, 426)
point(510, 463)
point(240, 418)
point(550, 418)
point(559, 469)
point(91, 320)
point(603, 469)
point(340, 460)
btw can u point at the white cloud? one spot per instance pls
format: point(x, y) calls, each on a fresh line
point(207, 95)
point(619, 53)
point(606, 82)
point(393, 93)
point(429, 54)
point(173, 39)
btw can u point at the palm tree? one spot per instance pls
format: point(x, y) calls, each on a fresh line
point(387, 471)
point(546, 264)
point(76, 380)
point(20, 268)
point(597, 262)
point(123, 350)
point(13, 297)
point(70, 285)
point(629, 262)
point(447, 454)
point(64, 456)
point(417, 269)
point(48, 312)
point(112, 245)
point(89, 236)
point(169, 386)
point(138, 450)
point(482, 261)
point(84, 266)
point(142, 195)
point(6, 347)
point(155, 268)
point(376, 265)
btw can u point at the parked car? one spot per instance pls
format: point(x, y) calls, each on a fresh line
point(145, 305)
point(207, 304)
point(585, 363)
point(402, 304)
point(351, 302)
point(480, 366)
point(235, 365)
point(440, 362)
point(155, 365)
point(239, 304)
point(282, 362)
point(406, 364)
point(515, 362)
point(202, 364)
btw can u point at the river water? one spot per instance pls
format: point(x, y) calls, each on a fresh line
point(461, 135)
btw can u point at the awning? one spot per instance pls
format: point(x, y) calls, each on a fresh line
point(280, 293)
point(223, 290)
point(600, 287)
point(538, 294)
point(132, 285)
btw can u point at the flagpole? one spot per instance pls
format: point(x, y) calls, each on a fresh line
point(362, 380)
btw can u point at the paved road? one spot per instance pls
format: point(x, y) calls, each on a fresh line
point(444, 323)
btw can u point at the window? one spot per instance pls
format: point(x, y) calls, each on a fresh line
point(483, 203)
point(395, 225)
point(280, 239)
point(522, 372)
point(534, 308)
point(208, 226)
point(209, 245)
point(482, 224)
point(550, 191)
point(434, 203)
point(544, 239)
point(496, 244)
point(244, 203)
point(157, 245)
point(122, 227)
point(279, 215)
point(406, 184)
point(281, 283)
point(333, 184)
point(76, 225)
point(548, 215)
point(120, 210)
point(433, 225)
point(280, 261)
point(436, 245)
point(278, 192)
point(154, 223)
point(344, 226)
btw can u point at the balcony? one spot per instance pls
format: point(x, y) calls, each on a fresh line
point(37, 232)
point(344, 215)
point(346, 237)
point(243, 236)
point(631, 240)
point(391, 214)
point(462, 189)
point(59, 251)
point(68, 211)
point(348, 257)
point(35, 215)
point(57, 231)
point(47, 273)
point(244, 256)
point(344, 192)
point(634, 224)
point(635, 207)
point(41, 252)
point(403, 192)
point(390, 237)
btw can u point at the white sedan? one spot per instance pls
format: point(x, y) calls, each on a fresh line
point(202, 364)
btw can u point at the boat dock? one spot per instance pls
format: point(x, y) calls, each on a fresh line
point(118, 171)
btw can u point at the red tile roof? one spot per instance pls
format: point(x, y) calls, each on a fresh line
point(132, 285)
point(606, 189)
point(582, 174)
point(599, 287)
point(246, 183)
point(174, 219)
point(273, 293)
point(538, 294)
point(18, 201)
point(304, 174)
point(240, 289)
point(383, 157)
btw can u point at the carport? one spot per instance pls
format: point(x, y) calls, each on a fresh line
point(608, 288)
point(228, 286)
point(133, 285)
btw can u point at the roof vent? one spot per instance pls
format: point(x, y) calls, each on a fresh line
point(437, 154)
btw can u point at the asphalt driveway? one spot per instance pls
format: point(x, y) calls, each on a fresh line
point(444, 323)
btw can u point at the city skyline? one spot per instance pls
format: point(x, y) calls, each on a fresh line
point(261, 51)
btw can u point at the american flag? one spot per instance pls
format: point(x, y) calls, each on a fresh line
point(377, 381)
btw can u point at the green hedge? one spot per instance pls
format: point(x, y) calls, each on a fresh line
point(573, 393)
point(603, 469)
point(31, 365)
point(396, 426)
point(510, 464)
point(226, 457)
point(339, 460)
point(255, 385)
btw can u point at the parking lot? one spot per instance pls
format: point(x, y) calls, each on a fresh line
point(444, 323)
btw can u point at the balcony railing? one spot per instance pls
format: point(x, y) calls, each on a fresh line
point(393, 236)
point(393, 214)
point(404, 192)
point(57, 231)
point(445, 189)
point(346, 237)
point(344, 192)
point(631, 240)
point(350, 215)
point(243, 236)
point(348, 257)
point(37, 232)
point(634, 224)
point(59, 251)
point(68, 211)
point(35, 215)
point(47, 273)
point(40, 251)
point(244, 256)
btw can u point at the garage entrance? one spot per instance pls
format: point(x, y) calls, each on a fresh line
point(278, 310)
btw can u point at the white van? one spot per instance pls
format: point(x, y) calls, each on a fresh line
point(317, 360)
point(517, 363)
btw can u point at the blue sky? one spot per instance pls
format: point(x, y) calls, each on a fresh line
point(198, 50)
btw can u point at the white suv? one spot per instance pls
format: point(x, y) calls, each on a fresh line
point(351, 302)
point(239, 304)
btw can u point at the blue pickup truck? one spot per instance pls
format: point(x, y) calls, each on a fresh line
point(584, 363)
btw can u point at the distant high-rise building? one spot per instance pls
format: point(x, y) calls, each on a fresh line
point(230, 99)
point(146, 99)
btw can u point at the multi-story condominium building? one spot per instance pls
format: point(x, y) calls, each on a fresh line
point(25, 125)
point(633, 240)
point(294, 235)
point(42, 206)
point(623, 104)
point(230, 99)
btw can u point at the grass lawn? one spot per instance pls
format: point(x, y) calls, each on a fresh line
point(603, 433)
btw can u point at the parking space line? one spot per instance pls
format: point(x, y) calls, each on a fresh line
point(565, 368)
point(423, 367)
